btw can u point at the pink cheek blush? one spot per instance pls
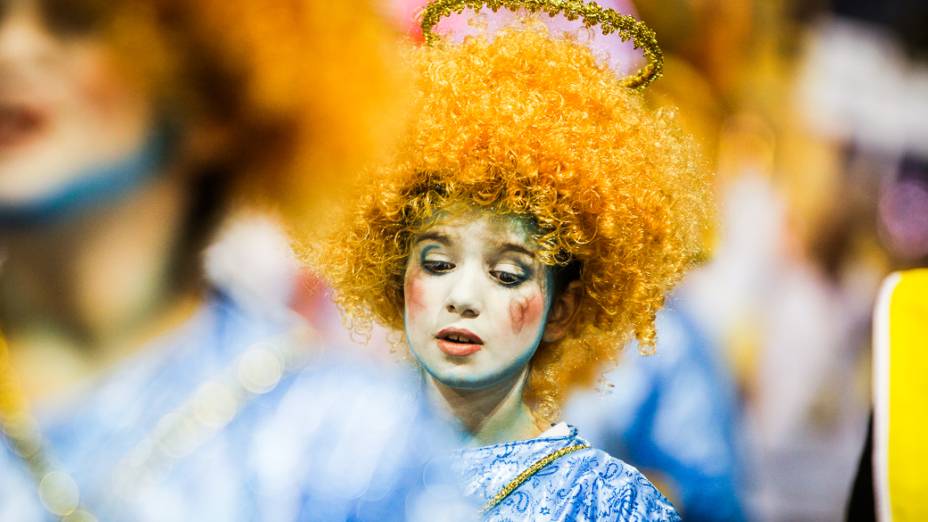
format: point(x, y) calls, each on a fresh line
point(100, 86)
point(413, 291)
point(524, 312)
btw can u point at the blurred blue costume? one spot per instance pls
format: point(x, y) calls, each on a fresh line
point(332, 439)
point(674, 413)
point(583, 485)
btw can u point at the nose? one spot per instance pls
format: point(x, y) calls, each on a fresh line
point(464, 297)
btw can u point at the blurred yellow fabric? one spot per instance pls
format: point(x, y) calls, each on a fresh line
point(902, 344)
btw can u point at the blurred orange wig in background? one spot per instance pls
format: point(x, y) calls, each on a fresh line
point(287, 96)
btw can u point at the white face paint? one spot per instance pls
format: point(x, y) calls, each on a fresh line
point(65, 106)
point(476, 298)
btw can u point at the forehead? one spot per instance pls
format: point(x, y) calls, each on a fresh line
point(480, 224)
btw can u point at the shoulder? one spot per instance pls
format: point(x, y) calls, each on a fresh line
point(616, 489)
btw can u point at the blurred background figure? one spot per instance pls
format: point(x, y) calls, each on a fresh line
point(809, 108)
point(879, 130)
point(135, 384)
point(801, 246)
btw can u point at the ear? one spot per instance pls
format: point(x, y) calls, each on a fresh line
point(563, 312)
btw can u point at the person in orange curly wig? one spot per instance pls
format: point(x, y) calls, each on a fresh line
point(530, 223)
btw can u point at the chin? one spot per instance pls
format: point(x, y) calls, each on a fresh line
point(462, 382)
point(467, 376)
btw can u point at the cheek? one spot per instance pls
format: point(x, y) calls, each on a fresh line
point(101, 87)
point(525, 312)
point(414, 292)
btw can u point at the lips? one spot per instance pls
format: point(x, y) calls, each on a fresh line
point(458, 342)
point(18, 124)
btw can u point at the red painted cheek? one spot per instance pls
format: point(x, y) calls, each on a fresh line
point(523, 312)
point(413, 291)
point(101, 84)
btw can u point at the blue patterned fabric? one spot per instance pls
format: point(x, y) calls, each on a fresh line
point(586, 485)
point(673, 414)
point(336, 440)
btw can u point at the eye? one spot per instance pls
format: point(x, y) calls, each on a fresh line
point(74, 17)
point(437, 267)
point(508, 278)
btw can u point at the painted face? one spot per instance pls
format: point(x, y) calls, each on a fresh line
point(65, 107)
point(476, 298)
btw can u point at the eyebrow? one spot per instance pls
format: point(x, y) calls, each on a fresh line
point(439, 237)
point(433, 236)
point(517, 248)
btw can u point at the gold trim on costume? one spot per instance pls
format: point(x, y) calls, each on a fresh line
point(527, 474)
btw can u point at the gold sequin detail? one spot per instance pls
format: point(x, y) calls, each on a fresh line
point(593, 15)
point(527, 474)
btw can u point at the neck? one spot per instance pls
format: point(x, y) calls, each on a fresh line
point(80, 295)
point(489, 415)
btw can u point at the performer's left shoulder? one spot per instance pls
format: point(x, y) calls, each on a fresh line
point(619, 488)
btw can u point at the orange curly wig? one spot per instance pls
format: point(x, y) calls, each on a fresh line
point(530, 125)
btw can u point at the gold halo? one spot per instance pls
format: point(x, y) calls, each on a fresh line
point(593, 15)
